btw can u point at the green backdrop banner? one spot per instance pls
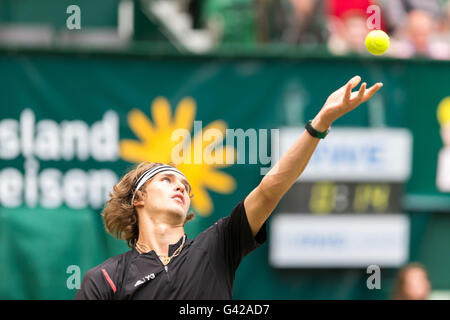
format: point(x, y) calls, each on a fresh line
point(71, 125)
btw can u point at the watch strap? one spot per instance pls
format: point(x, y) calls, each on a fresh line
point(313, 132)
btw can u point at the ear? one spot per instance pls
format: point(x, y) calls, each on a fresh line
point(139, 198)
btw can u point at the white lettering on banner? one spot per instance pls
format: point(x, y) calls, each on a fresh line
point(74, 188)
point(100, 184)
point(47, 144)
point(75, 140)
point(9, 139)
point(355, 154)
point(48, 140)
point(11, 186)
point(27, 129)
point(31, 171)
point(51, 188)
point(104, 138)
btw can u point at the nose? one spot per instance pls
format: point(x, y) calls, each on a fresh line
point(179, 187)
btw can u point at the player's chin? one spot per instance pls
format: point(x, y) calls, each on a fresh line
point(179, 210)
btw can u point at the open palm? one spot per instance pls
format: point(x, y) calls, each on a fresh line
point(344, 100)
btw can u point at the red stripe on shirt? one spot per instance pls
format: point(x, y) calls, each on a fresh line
point(109, 280)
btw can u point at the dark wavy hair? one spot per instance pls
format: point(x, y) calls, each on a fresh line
point(119, 215)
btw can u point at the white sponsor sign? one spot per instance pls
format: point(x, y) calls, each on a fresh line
point(350, 240)
point(362, 154)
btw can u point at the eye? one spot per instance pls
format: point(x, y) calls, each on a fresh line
point(165, 179)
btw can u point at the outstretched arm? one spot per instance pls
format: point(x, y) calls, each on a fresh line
point(260, 203)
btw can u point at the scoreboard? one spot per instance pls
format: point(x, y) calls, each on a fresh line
point(330, 197)
point(345, 210)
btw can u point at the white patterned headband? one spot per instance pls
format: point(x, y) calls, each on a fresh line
point(150, 173)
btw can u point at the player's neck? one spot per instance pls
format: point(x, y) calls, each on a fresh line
point(156, 234)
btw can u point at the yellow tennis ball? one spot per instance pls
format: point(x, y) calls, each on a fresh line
point(443, 111)
point(377, 42)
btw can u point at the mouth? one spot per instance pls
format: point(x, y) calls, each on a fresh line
point(179, 198)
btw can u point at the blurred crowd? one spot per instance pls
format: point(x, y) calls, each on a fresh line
point(416, 27)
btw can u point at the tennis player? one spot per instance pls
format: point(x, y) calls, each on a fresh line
point(150, 206)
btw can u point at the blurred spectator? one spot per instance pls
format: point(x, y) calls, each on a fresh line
point(412, 283)
point(444, 24)
point(397, 11)
point(417, 29)
point(293, 21)
point(348, 25)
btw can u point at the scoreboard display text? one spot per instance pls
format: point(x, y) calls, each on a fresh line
point(325, 197)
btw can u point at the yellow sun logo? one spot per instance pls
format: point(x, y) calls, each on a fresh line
point(156, 144)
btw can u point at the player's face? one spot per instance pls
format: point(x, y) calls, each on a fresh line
point(168, 192)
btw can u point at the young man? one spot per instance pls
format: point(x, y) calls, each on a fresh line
point(149, 207)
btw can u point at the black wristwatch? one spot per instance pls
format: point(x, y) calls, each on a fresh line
point(314, 133)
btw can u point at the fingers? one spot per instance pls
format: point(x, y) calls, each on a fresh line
point(352, 80)
point(348, 92)
point(371, 91)
point(352, 83)
point(361, 92)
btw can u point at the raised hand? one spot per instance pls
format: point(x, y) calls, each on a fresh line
point(342, 101)
point(260, 203)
